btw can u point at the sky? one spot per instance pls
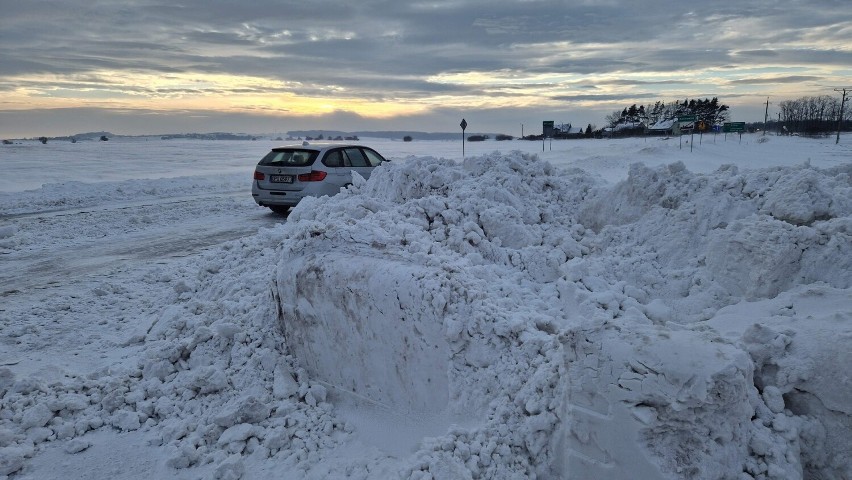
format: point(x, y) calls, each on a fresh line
point(138, 67)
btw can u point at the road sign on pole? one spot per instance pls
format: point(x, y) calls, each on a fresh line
point(735, 127)
point(463, 126)
point(688, 119)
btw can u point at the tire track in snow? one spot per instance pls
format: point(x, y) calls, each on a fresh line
point(177, 228)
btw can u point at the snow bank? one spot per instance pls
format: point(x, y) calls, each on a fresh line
point(355, 310)
point(801, 355)
point(585, 330)
point(75, 194)
point(572, 310)
point(214, 381)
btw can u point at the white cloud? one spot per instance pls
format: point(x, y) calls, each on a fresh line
point(394, 51)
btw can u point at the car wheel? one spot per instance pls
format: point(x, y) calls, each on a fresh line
point(279, 209)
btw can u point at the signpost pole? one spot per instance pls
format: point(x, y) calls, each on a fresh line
point(546, 131)
point(687, 119)
point(463, 126)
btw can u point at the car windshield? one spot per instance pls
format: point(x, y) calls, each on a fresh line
point(289, 157)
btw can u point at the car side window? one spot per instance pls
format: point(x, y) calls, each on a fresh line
point(333, 158)
point(356, 157)
point(373, 157)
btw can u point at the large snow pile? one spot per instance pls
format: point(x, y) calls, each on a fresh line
point(662, 327)
point(572, 312)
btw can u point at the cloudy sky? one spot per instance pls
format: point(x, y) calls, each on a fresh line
point(258, 66)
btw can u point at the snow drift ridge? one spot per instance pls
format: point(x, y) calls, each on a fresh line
point(543, 263)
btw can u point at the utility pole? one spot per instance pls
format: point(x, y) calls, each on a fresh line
point(840, 117)
point(766, 116)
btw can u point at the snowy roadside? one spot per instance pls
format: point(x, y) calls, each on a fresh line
point(529, 282)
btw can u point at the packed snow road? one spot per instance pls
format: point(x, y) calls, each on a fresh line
point(67, 244)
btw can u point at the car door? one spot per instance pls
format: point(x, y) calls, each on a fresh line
point(338, 174)
point(355, 158)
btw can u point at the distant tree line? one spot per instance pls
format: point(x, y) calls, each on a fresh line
point(707, 110)
point(812, 116)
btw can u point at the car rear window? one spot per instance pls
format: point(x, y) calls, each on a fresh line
point(289, 157)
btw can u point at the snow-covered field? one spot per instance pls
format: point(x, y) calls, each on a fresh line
point(618, 309)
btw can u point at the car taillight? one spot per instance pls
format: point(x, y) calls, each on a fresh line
point(259, 175)
point(314, 176)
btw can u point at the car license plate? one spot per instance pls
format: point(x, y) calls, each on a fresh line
point(281, 178)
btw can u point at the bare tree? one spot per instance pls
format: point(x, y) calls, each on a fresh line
point(810, 115)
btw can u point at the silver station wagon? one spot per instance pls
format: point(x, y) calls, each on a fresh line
point(288, 174)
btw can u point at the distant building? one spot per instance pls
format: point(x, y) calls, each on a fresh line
point(663, 127)
point(624, 129)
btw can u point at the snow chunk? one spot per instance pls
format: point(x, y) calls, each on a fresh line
point(37, 416)
point(238, 433)
point(12, 459)
point(77, 445)
point(244, 410)
point(232, 468)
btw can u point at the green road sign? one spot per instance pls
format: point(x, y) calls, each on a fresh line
point(733, 127)
point(686, 118)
